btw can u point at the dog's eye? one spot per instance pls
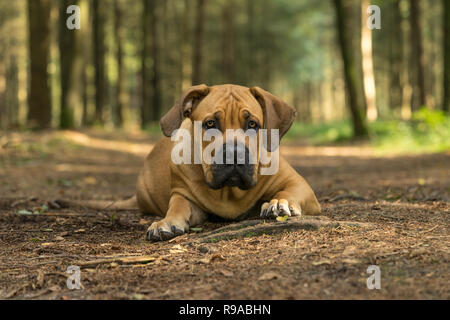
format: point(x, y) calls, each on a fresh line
point(210, 124)
point(252, 125)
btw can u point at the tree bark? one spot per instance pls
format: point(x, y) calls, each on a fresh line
point(145, 104)
point(446, 50)
point(3, 103)
point(419, 91)
point(67, 52)
point(12, 92)
point(155, 79)
point(151, 91)
point(228, 60)
point(367, 65)
point(355, 96)
point(39, 97)
point(98, 34)
point(185, 38)
point(395, 56)
point(84, 96)
point(120, 86)
point(197, 59)
point(250, 41)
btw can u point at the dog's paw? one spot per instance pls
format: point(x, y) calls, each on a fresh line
point(279, 208)
point(166, 229)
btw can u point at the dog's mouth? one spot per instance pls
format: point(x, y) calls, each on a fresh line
point(237, 175)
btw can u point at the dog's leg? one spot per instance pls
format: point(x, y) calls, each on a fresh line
point(181, 215)
point(296, 197)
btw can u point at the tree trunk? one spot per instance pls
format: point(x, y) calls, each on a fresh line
point(446, 49)
point(367, 65)
point(155, 79)
point(250, 41)
point(98, 34)
point(355, 96)
point(39, 98)
point(145, 105)
point(419, 92)
point(12, 92)
point(395, 56)
point(185, 38)
point(120, 86)
point(84, 97)
point(228, 60)
point(151, 92)
point(3, 103)
point(67, 51)
point(197, 59)
point(307, 117)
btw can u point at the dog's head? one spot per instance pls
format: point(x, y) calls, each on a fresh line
point(223, 107)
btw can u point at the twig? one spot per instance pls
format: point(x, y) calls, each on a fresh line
point(69, 214)
point(429, 230)
point(258, 227)
point(121, 260)
point(347, 196)
point(14, 291)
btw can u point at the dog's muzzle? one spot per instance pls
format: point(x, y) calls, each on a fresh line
point(236, 168)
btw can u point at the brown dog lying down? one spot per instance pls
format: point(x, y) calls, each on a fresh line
point(184, 194)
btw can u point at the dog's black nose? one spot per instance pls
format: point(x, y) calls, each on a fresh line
point(233, 167)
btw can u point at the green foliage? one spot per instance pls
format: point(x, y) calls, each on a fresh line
point(427, 131)
point(320, 133)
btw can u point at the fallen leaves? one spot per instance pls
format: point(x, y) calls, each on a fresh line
point(211, 258)
point(14, 291)
point(23, 201)
point(35, 211)
point(40, 279)
point(226, 273)
point(47, 244)
point(177, 249)
point(282, 219)
point(24, 212)
point(321, 262)
point(418, 252)
point(349, 250)
point(144, 222)
point(206, 249)
point(351, 261)
point(269, 276)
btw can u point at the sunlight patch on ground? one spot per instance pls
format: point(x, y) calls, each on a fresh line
point(340, 151)
point(67, 167)
point(140, 149)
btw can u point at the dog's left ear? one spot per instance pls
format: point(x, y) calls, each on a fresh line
point(277, 113)
point(182, 108)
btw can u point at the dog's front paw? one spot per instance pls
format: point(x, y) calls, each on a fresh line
point(279, 208)
point(166, 229)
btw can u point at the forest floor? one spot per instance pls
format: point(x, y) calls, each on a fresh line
point(402, 203)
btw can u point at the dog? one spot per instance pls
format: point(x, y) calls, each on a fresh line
point(185, 194)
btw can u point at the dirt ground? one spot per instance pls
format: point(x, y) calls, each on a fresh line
point(403, 201)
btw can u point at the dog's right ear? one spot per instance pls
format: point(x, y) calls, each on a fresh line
point(183, 108)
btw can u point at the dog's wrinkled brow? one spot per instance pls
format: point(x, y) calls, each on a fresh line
point(218, 114)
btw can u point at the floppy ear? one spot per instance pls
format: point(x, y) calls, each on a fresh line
point(182, 108)
point(277, 113)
